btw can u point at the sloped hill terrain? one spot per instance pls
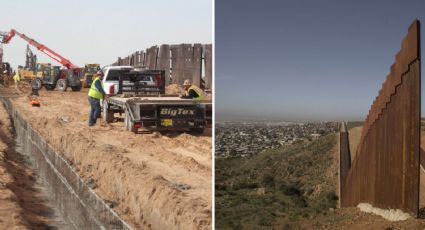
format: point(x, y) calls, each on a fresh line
point(277, 187)
point(292, 187)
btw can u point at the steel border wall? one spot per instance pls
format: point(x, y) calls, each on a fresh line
point(344, 157)
point(78, 204)
point(184, 61)
point(385, 171)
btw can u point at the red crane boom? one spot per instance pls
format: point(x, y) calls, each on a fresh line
point(49, 52)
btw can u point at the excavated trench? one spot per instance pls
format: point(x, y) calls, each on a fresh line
point(39, 210)
point(49, 190)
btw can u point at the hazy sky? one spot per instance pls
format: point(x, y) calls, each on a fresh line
point(306, 60)
point(87, 31)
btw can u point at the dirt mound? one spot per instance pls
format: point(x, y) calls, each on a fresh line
point(137, 173)
point(174, 89)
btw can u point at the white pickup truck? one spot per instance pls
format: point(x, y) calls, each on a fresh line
point(113, 73)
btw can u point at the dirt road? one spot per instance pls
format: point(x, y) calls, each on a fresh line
point(153, 181)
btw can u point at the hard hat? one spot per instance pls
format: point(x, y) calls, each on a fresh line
point(187, 82)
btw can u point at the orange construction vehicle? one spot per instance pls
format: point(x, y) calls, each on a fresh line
point(67, 77)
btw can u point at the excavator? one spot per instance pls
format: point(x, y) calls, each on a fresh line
point(62, 78)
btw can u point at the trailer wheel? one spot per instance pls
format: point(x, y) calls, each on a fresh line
point(108, 115)
point(129, 124)
point(62, 84)
point(36, 84)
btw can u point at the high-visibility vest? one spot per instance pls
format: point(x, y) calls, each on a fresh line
point(198, 90)
point(16, 77)
point(94, 92)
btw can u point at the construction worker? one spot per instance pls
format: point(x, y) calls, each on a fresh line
point(192, 91)
point(96, 93)
point(17, 79)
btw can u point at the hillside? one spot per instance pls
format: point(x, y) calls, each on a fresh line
point(277, 187)
point(292, 188)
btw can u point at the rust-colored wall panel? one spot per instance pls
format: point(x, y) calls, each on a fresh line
point(182, 56)
point(385, 172)
point(164, 61)
point(207, 52)
point(151, 56)
point(136, 59)
point(142, 58)
point(196, 64)
point(133, 59)
point(184, 61)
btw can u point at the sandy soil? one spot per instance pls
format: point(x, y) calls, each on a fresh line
point(333, 171)
point(353, 218)
point(156, 181)
point(11, 214)
point(178, 90)
point(24, 202)
point(174, 89)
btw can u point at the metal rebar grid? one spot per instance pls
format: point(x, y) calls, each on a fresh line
point(78, 204)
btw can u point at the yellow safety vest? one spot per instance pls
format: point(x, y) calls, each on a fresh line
point(16, 77)
point(94, 92)
point(198, 90)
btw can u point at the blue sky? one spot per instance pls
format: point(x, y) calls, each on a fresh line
point(306, 60)
point(101, 30)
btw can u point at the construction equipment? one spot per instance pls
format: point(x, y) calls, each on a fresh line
point(5, 70)
point(43, 74)
point(28, 72)
point(70, 77)
point(47, 76)
point(30, 59)
point(40, 68)
point(5, 73)
point(26, 75)
point(89, 71)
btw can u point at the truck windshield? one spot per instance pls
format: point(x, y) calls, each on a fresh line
point(91, 69)
point(114, 74)
point(141, 77)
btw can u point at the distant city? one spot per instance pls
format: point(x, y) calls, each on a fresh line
point(242, 139)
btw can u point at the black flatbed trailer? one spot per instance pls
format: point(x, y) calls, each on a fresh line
point(158, 111)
